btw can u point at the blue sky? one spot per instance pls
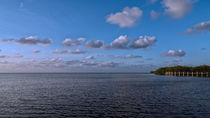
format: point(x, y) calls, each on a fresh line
point(102, 36)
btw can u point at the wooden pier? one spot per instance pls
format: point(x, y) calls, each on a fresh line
point(188, 74)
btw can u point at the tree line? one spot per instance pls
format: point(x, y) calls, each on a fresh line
point(163, 70)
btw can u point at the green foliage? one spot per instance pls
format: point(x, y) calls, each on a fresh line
point(163, 70)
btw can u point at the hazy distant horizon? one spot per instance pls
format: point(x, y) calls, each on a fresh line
point(72, 72)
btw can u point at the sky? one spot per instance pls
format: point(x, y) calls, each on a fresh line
point(103, 35)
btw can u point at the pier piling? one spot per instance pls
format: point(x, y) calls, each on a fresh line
point(188, 74)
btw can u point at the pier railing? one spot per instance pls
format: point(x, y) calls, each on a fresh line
point(188, 74)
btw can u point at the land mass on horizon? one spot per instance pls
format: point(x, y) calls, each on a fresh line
point(198, 71)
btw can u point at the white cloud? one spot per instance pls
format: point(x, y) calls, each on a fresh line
point(15, 56)
point(120, 43)
point(174, 53)
point(126, 18)
point(201, 27)
point(89, 57)
point(69, 42)
point(89, 64)
point(73, 62)
point(94, 44)
point(77, 51)
point(177, 8)
point(32, 40)
point(60, 65)
point(132, 56)
point(57, 51)
point(35, 51)
point(154, 15)
point(7, 40)
point(45, 42)
point(52, 60)
point(143, 42)
point(129, 56)
point(109, 64)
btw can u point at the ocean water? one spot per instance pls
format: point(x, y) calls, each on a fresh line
point(103, 95)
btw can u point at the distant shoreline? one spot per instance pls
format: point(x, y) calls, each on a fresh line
point(198, 71)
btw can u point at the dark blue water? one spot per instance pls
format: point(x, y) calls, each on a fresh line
point(103, 95)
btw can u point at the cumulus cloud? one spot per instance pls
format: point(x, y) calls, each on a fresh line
point(15, 56)
point(89, 64)
point(94, 44)
point(132, 56)
point(52, 60)
point(201, 27)
point(73, 63)
point(79, 63)
point(126, 18)
point(177, 8)
point(120, 43)
point(7, 40)
point(89, 57)
point(174, 53)
point(77, 51)
point(69, 42)
point(129, 56)
point(109, 64)
point(45, 42)
point(35, 51)
point(60, 65)
point(65, 65)
point(57, 51)
point(143, 42)
point(48, 63)
point(154, 15)
point(32, 40)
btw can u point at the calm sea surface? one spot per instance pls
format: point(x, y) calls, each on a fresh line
point(103, 95)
